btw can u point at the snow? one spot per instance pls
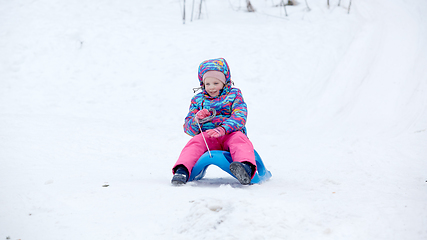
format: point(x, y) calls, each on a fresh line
point(94, 93)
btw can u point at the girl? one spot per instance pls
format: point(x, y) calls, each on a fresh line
point(224, 130)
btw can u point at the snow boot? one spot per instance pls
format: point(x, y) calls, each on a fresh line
point(242, 172)
point(180, 177)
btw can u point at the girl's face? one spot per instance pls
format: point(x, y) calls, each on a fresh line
point(213, 86)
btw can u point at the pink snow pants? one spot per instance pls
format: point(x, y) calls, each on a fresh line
point(237, 143)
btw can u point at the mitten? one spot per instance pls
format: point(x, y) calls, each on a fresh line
point(202, 114)
point(216, 132)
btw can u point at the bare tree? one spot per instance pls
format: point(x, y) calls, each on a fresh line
point(339, 3)
point(249, 6)
point(282, 3)
point(308, 8)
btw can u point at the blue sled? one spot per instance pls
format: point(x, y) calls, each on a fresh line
point(222, 159)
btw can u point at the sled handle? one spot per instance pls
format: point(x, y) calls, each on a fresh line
point(207, 119)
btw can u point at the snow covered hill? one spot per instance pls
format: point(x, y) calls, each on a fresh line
point(93, 95)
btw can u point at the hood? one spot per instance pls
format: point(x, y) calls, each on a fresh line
point(217, 64)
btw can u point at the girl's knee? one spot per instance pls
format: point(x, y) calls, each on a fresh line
point(240, 137)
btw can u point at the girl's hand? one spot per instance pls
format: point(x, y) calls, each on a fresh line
point(202, 114)
point(216, 132)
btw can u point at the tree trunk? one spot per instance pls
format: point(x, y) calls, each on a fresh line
point(249, 6)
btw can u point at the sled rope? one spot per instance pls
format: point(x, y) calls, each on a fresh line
point(206, 119)
point(201, 132)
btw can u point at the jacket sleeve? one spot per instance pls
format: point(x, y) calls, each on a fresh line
point(190, 125)
point(239, 113)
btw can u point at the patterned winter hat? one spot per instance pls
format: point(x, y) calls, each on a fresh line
point(217, 64)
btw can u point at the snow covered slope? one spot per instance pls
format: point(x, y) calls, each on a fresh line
point(94, 93)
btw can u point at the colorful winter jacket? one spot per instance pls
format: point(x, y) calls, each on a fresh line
point(231, 109)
